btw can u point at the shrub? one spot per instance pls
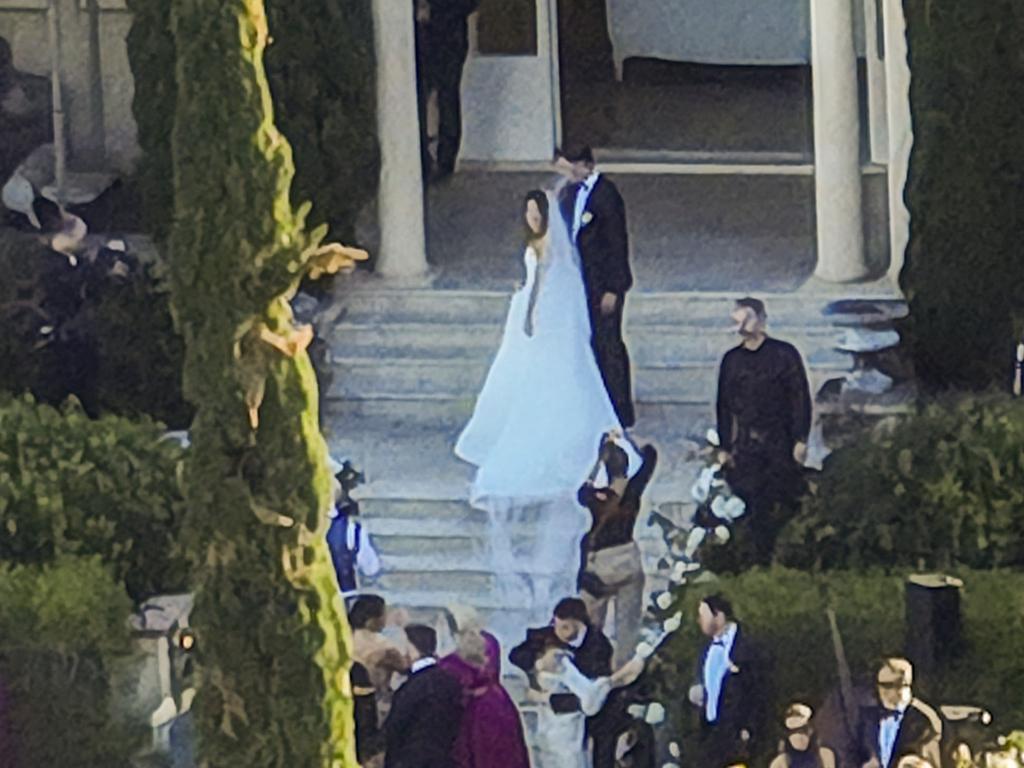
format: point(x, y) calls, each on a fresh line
point(965, 189)
point(784, 612)
point(113, 343)
point(65, 625)
point(942, 488)
point(70, 485)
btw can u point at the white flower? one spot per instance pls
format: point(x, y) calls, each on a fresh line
point(674, 750)
point(645, 650)
point(734, 508)
point(718, 508)
point(722, 533)
point(712, 437)
point(637, 710)
point(674, 623)
point(694, 540)
point(655, 714)
point(664, 601)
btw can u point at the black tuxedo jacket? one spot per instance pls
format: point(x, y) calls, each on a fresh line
point(603, 242)
point(593, 658)
point(738, 707)
point(426, 713)
point(917, 735)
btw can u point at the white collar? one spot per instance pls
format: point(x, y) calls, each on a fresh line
point(578, 642)
point(591, 180)
point(727, 634)
point(420, 664)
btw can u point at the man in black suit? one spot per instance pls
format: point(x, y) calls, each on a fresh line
point(729, 688)
point(592, 655)
point(444, 44)
point(426, 711)
point(898, 725)
point(596, 217)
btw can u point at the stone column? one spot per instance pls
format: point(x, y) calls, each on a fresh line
point(837, 176)
point(901, 135)
point(83, 82)
point(874, 48)
point(403, 250)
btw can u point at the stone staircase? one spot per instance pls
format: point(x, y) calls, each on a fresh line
point(406, 366)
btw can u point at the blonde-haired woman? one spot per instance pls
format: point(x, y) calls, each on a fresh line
point(491, 735)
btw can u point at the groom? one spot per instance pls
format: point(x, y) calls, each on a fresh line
point(596, 217)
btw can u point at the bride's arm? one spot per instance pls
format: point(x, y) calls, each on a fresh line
point(534, 292)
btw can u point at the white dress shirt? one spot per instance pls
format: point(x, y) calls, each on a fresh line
point(582, 197)
point(716, 669)
point(888, 732)
point(420, 664)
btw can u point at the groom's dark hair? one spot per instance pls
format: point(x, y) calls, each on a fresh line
point(756, 305)
point(576, 153)
point(423, 639)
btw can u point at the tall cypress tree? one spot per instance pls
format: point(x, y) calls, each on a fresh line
point(272, 637)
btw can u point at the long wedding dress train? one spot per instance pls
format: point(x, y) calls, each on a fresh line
point(537, 426)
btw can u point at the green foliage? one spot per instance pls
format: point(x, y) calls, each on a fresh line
point(943, 487)
point(65, 626)
point(271, 625)
point(321, 69)
point(784, 612)
point(71, 485)
point(966, 189)
point(152, 59)
point(113, 344)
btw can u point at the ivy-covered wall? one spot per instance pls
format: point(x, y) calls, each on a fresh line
point(272, 636)
point(964, 269)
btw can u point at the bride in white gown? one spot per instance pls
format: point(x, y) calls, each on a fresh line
point(543, 409)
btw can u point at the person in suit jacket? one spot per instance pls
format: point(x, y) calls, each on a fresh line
point(592, 653)
point(899, 725)
point(426, 711)
point(596, 215)
point(729, 689)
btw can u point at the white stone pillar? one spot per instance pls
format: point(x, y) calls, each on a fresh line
point(403, 250)
point(837, 175)
point(873, 56)
point(901, 134)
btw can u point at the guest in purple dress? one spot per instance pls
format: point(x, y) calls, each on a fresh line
point(492, 733)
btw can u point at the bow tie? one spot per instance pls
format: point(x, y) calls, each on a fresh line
point(718, 642)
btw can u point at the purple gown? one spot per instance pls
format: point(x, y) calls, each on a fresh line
point(492, 734)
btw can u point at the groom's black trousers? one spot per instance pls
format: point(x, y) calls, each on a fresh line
point(612, 358)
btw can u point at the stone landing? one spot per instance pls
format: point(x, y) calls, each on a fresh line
point(407, 363)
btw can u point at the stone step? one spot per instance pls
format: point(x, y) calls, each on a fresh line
point(648, 346)
point(431, 380)
point(798, 308)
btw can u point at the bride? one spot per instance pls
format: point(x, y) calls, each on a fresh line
point(543, 408)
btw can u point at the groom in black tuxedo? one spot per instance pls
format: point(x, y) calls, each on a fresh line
point(595, 214)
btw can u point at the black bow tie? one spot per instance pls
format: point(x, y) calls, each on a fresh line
point(718, 642)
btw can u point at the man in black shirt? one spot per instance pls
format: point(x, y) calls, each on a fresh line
point(764, 419)
point(610, 562)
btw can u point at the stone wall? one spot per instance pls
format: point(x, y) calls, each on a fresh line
point(97, 78)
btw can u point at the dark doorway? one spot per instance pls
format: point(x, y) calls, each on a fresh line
point(745, 112)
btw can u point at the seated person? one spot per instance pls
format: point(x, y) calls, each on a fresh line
point(801, 749)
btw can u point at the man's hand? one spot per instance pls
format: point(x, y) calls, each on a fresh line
point(800, 452)
point(422, 11)
point(724, 458)
point(745, 735)
point(608, 303)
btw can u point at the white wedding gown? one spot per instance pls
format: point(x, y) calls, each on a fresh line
point(537, 426)
point(561, 738)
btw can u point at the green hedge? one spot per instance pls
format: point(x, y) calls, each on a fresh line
point(784, 611)
point(321, 70)
point(65, 630)
point(941, 488)
point(71, 485)
point(966, 189)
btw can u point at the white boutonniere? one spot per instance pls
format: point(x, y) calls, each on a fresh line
point(586, 218)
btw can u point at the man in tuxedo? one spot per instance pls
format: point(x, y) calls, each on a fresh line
point(592, 655)
point(898, 725)
point(426, 711)
point(596, 217)
point(729, 689)
point(443, 33)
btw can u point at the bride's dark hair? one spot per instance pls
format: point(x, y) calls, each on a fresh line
point(536, 196)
